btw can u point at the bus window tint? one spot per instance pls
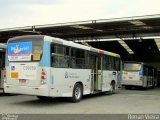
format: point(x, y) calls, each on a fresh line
point(77, 58)
point(37, 50)
point(111, 63)
point(37, 47)
point(132, 67)
point(117, 64)
point(60, 56)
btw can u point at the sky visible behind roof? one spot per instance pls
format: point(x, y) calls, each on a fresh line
point(20, 13)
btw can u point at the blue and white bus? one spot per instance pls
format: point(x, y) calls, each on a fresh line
point(138, 74)
point(51, 67)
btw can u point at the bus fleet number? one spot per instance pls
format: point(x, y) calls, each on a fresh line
point(29, 68)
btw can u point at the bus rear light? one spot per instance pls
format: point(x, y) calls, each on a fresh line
point(43, 73)
point(4, 73)
point(43, 76)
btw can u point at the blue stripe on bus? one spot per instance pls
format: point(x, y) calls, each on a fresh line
point(141, 73)
point(45, 61)
point(105, 52)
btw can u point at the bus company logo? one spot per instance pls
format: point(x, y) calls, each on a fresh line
point(17, 49)
point(12, 68)
point(66, 74)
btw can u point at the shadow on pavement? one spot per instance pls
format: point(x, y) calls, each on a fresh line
point(56, 100)
point(7, 94)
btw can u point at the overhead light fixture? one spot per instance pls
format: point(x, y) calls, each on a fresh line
point(125, 46)
point(98, 40)
point(157, 41)
point(98, 30)
point(140, 40)
point(146, 27)
point(137, 22)
point(81, 27)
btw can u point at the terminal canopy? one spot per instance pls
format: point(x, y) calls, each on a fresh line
point(134, 38)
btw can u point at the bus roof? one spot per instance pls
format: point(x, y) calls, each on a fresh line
point(67, 43)
point(72, 44)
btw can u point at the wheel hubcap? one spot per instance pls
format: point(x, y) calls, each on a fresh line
point(77, 93)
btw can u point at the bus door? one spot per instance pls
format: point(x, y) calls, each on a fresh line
point(96, 72)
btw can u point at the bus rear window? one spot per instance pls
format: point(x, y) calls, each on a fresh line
point(132, 67)
point(25, 49)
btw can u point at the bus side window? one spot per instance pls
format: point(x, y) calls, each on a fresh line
point(112, 63)
point(53, 57)
point(109, 63)
point(104, 62)
point(78, 58)
point(59, 56)
point(87, 64)
point(117, 64)
point(73, 59)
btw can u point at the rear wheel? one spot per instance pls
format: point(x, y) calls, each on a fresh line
point(113, 88)
point(128, 87)
point(77, 93)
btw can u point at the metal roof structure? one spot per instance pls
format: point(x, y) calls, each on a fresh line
point(138, 33)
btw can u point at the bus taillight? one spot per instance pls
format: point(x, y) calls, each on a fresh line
point(4, 73)
point(43, 76)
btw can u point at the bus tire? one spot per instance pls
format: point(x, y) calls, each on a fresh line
point(127, 87)
point(77, 93)
point(113, 88)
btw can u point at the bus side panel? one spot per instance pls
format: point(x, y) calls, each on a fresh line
point(46, 59)
point(64, 79)
point(108, 76)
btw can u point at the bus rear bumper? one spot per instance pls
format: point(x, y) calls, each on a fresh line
point(132, 82)
point(37, 91)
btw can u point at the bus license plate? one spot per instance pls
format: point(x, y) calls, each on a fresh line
point(22, 81)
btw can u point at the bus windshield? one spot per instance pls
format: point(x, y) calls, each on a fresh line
point(132, 67)
point(25, 49)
